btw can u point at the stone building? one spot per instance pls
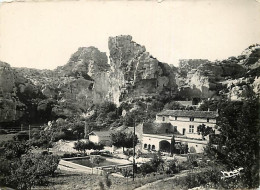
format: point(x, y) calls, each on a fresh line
point(182, 124)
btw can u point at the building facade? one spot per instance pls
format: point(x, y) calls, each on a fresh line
point(103, 137)
point(183, 125)
point(187, 122)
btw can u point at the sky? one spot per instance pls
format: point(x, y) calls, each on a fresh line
point(44, 34)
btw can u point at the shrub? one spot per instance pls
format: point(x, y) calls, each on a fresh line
point(147, 168)
point(184, 166)
point(172, 167)
point(192, 159)
point(13, 149)
point(69, 155)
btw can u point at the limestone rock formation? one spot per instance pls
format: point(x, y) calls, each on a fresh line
point(74, 87)
point(135, 73)
point(17, 95)
point(209, 79)
point(7, 93)
point(84, 78)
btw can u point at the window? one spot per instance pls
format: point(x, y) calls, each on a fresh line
point(145, 146)
point(207, 119)
point(153, 147)
point(167, 131)
point(175, 117)
point(191, 129)
point(163, 118)
point(192, 119)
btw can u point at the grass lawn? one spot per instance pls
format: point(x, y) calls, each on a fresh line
point(68, 180)
point(163, 185)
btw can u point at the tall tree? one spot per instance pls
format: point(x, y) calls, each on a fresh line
point(172, 145)
point(238, 142)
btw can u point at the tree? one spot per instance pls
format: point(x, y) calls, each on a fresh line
point(83, 146)
point(122, 139)
point(26, 169)
point(130, 140)
point(98, 146)
point(78, 129)
point(118, 139)
point(204, 130)
point(173, 106)
point(173, 149)
point(238, 141)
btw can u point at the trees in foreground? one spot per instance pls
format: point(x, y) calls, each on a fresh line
point(21, 169)
point(237, 145)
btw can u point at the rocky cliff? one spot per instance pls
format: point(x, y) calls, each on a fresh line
point(234, 78)
point(74, 87)
point(135, 73)
point(86, 76)
point(18, 95)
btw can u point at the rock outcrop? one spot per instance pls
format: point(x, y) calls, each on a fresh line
point(18, 95)
point(7, 93)
point(209, 79)
point(85, 77)
point(74, 87)
point(135, 73)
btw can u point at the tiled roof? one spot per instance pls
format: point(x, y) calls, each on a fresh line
point(157, 128)
point(189, 113)
point(101, 133)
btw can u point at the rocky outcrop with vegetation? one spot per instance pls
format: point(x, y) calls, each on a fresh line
point(135, 72)
point(133, 76)
point(234, 78)
point(19, 97)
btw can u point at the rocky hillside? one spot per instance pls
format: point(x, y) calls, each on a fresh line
point(235, 78)
point(132, 74)
point(77, 85)
point(19, 97)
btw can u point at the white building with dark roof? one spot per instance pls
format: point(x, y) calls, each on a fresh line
point(187, 121)
point(103, 137)
point(182, 124)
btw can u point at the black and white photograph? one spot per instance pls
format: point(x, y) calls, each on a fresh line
point(129, 95)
